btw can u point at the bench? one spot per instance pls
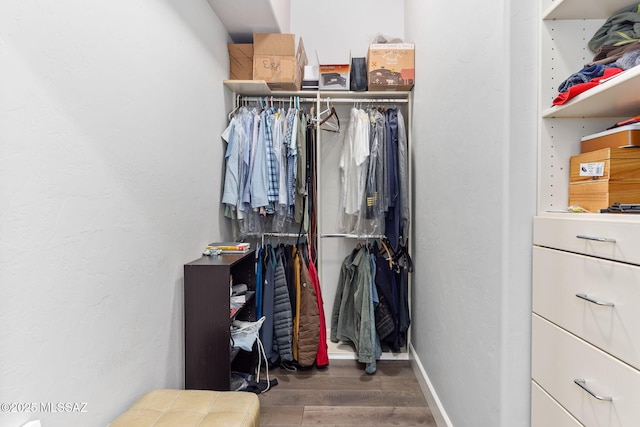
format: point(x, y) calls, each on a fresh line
point(187, 408)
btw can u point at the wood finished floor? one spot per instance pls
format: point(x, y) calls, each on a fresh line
point(344, 395)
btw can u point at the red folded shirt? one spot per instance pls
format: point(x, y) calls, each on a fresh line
point(574, 90)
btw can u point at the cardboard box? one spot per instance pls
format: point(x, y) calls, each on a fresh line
point(240, 61)
point(277, 61)
point(391, 66)
point(623, 136)
point(334, 76)
point(603, 177)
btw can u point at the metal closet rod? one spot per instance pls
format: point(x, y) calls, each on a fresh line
point(366, 100)
point(273, 234)
point(353, 236)
point(276, 99)
point(280, 235)
point(325, 99)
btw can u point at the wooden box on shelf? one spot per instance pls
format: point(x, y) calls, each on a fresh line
point(603, 177)
point(622, 137)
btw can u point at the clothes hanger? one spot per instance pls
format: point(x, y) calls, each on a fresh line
point(331, 122)
point(389, 257)
point(235, 108)
point(326, 111)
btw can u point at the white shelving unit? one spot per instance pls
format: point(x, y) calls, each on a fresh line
point(581, 9)
point(331, 251)
point(609, 99)
point(577, 342)
point(260, 88)
point(566, 28)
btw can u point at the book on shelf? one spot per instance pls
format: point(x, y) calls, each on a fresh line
point(230, 247)
point(235, 304)
point(238, 300)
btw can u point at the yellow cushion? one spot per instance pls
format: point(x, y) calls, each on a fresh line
point(186, 408)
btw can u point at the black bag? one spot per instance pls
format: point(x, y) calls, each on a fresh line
point(358, 74)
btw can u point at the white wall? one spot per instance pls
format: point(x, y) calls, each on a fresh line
point(282, 13)
point(475, 163)
point(335, 28)
point(110, 157)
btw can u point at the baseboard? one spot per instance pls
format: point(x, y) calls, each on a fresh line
point(438, 412)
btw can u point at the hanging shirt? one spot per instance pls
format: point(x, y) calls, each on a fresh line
point(403, 181)
point(301, 169)
point(355, 151)
point(280, 150)
point(246, 194)
point(271, 133)
point(260, 173)
point(392, 222)
point(374, 213)
point(230, 192)
point(245, 173)
point(292, 156)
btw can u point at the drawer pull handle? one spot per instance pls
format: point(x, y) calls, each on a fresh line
point(581, 384)
point(597, 239)
point(595, 301)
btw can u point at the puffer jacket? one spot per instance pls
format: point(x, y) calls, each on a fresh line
point(322, 358)
point(309, 318)
point(282, 314)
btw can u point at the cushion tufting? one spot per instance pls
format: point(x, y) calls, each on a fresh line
point(187, 408)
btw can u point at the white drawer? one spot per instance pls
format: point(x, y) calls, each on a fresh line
point(619, 235)
point(559, 358)
point(557, 278)
point(546, 412)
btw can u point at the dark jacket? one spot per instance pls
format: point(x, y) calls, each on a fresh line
point(282, 314)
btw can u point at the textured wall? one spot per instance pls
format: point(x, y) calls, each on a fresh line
point(110, 157)
point(334, 29)
point(475, 158)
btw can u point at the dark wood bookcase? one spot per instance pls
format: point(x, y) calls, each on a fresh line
point(209, 355)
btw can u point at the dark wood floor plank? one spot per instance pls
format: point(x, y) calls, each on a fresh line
point(341, 397)
point(343, 394)
point(330, 383)
point(281, 416)
point(352, 368)
point(393, 384)
point(359, 416)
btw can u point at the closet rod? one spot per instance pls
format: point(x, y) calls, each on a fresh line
point(354, 236)
point(275, 99)
point(365, 100)
point(325, 99)
point(281, 235)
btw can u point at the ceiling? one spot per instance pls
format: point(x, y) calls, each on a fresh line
point(242, 18)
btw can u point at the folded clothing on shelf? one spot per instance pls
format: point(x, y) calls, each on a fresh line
point(239, 289)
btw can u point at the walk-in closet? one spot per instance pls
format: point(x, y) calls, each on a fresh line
point(112, 175)
point(343, 213)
